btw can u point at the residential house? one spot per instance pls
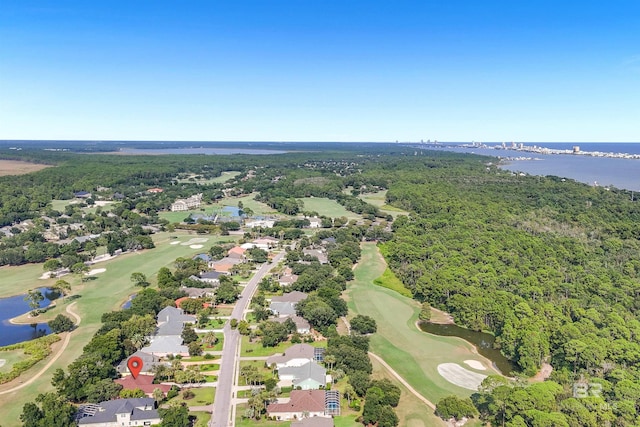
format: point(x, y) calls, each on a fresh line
point(192, 202)
point(320, 255)
point(302, 325)
point(82, 195)
point(210, 277)
point(287, 278)
point(296, 355)
point(198, 292)
point(315, 222)
point(120, 412)
point(236, 252)
point(264, 223)
point(225, 264)
point(168, 336)
point(144, 383)
point(303, 404)
point(149, 362)
point(203, 257)
point(285, 305)
point(309, 376)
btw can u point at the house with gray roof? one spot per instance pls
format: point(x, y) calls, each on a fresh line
point(309, 376)
point(302, 326)
point(149, 362)
point(285, 305)
point(163, 346)
point(173, 314)
point(296, 355)
point(120, 412)
point(168, 336)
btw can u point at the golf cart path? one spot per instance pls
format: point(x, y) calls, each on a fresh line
point(65, 343)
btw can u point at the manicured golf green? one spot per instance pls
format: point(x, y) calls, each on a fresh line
point(327, 207)
point(412, 353)
point(107, 292)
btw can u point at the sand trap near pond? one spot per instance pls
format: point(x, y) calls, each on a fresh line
point(475, 364)
point(195, 246)
point(194, 241)
point(460, 376)
point(96, 271)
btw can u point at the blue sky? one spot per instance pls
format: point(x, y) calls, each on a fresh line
point(320, 70)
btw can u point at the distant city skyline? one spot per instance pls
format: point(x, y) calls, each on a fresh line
point(284, 70)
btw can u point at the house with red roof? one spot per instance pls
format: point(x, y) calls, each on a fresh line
point(144, 383)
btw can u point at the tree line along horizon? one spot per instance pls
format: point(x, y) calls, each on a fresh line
point(548, 265)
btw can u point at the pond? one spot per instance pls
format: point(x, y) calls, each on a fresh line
point(481, 340)
point(15, 306)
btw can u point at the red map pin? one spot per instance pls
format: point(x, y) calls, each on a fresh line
point(135, 366)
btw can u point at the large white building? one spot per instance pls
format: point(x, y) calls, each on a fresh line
point(185, 204)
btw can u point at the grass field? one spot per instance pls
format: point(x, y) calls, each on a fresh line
point(203, 396)
point(412, 353)
point(327, 207)
point(258, 208)
point(202, 418)
point(240, 422)
point(10, 357)
point(16, 167)
point(107, 292)
point(390, 281)
point(379, 199)
point(411, 411)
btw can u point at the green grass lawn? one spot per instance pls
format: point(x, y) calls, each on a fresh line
point(203, 396)
point(347, 421)
point(243, 422)
point(327, 207)
point(390, 281)
point(412, 353)
point(107, 292)
point(258, 208)
point(59, 205)
point(202, 418)
point(379, 199)
point(411, 411)
point(10, 357)
point(255, 349)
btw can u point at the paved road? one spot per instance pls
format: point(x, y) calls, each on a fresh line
point(230, 352)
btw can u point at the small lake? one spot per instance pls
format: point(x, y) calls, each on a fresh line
point(15, 306)
point(481, 340)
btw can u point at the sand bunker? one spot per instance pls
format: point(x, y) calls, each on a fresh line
point(102, 202)
point(460, 376)
point(475, 364)
point(174, 243)
point(2, 362)
point(96, 271)
point(195, 246)
point(194, 241)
